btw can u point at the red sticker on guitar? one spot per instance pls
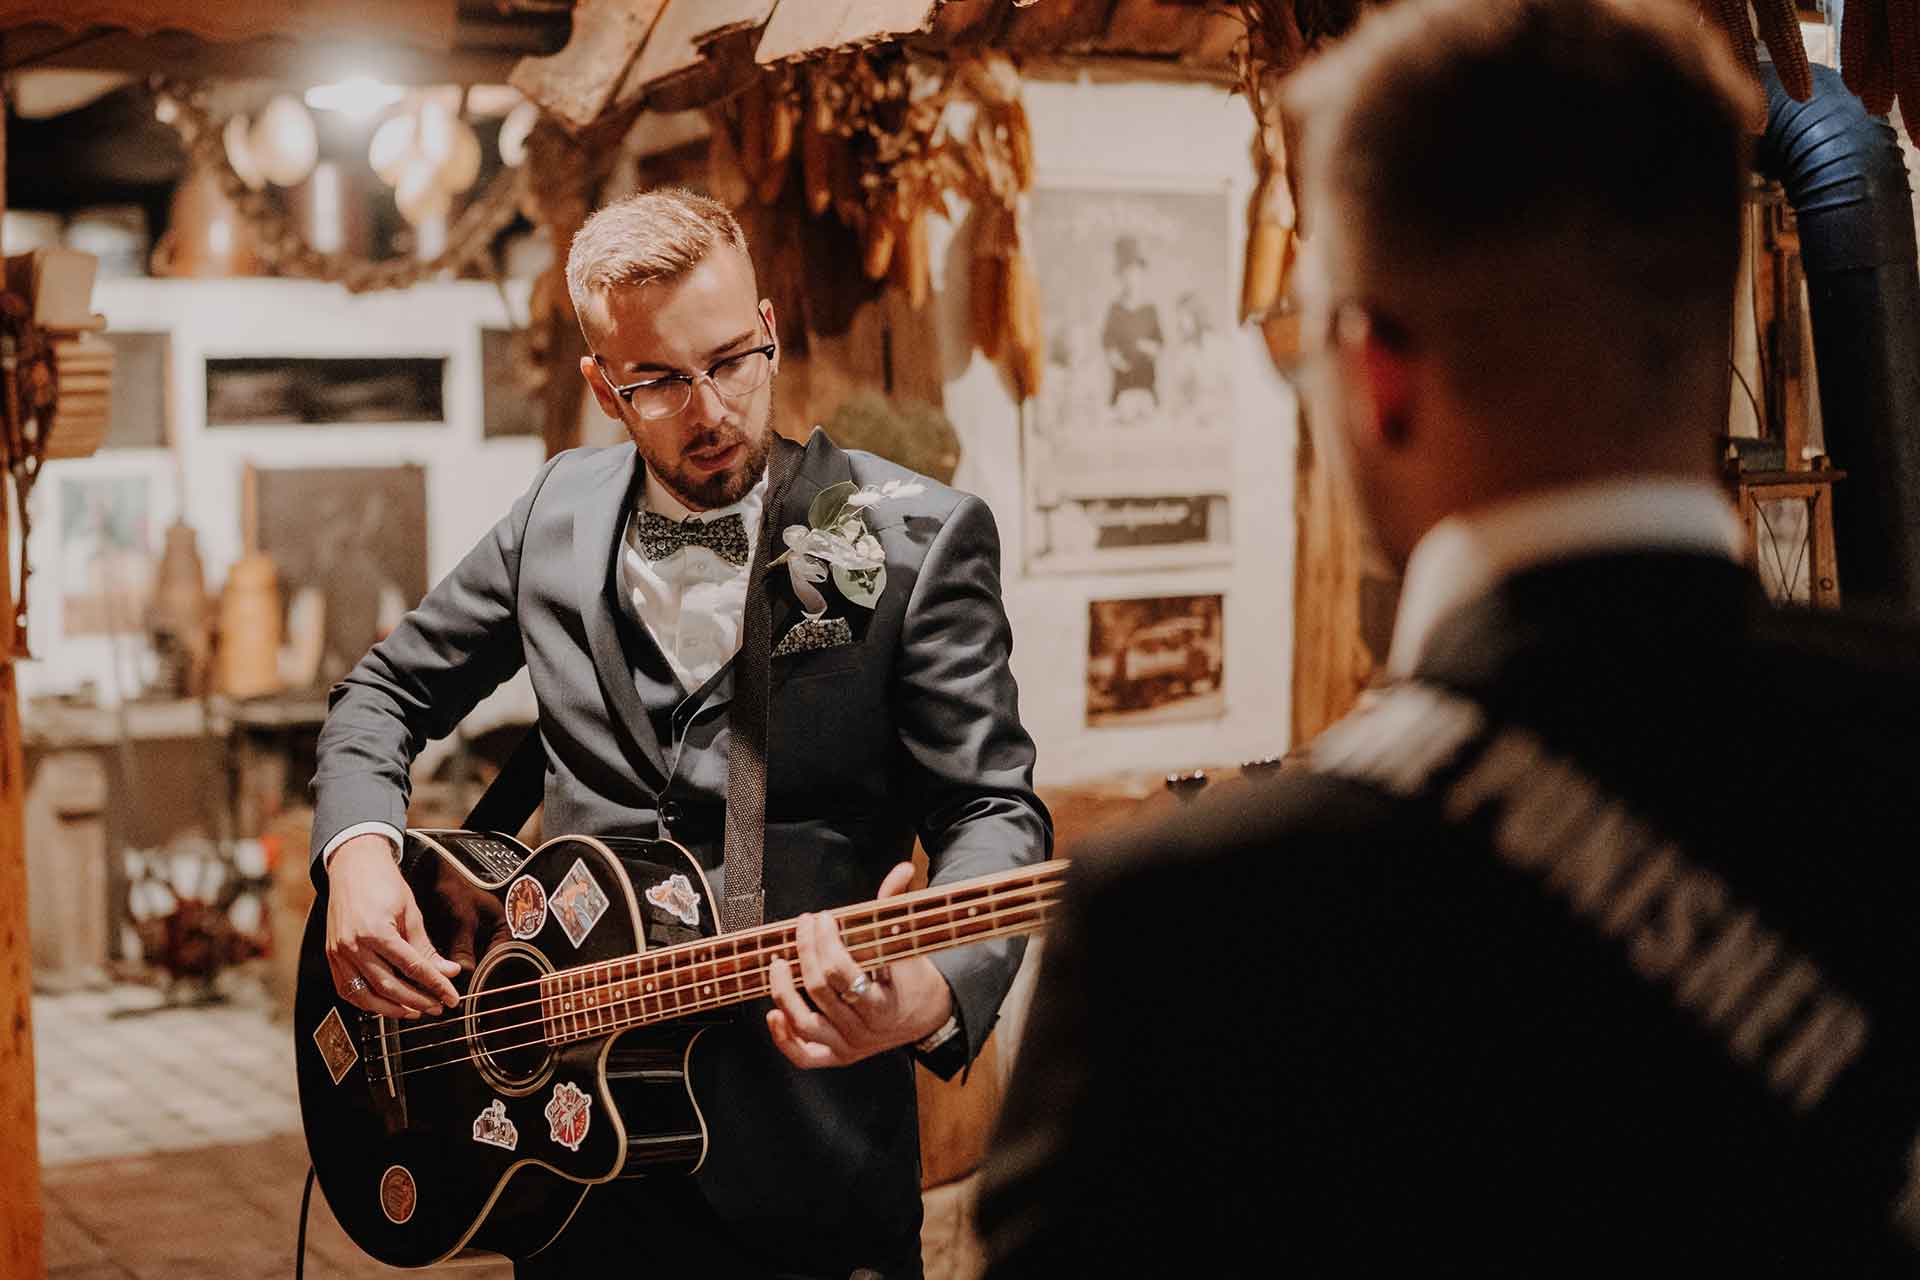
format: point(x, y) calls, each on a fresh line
point(569, 1113)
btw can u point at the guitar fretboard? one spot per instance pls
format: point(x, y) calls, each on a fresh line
point(657, 986)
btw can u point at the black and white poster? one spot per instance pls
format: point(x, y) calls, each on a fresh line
point(1129, 445)
point(1156, 659)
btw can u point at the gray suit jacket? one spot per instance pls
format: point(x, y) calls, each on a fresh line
point(912, 729)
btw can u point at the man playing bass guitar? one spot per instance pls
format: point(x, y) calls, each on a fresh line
point(622, 581)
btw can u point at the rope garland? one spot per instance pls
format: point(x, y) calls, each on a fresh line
point(280, 242)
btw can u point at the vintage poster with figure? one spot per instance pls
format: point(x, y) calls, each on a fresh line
point(1156, 659)
point(1128, 450)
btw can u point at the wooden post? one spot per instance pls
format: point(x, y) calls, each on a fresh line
point(21, 1250)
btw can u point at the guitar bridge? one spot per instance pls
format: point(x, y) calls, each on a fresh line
point(382, 1051)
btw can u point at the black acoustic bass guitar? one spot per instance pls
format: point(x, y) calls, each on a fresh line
point(589, 969)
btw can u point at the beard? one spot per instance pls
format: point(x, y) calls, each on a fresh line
point(703, 492)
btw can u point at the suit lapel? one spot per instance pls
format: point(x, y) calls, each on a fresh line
point(596, 534)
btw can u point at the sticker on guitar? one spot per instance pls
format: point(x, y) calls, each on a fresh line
point(526, 907)
point(578, 902)
point(398, 1194)
point(676, 897)
point(493, 1128)
point(335, 1045)
point(569, 1113)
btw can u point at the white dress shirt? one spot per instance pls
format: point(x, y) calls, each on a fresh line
point(692, 602)
point(1465, 555)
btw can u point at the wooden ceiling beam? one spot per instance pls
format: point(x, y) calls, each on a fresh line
point(427, 24)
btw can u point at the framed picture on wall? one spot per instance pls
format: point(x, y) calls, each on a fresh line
point(137, 410)
point(272, 391)
point(1128, 449)
point(109, 542)
point(1156, 659)
point(350, 548)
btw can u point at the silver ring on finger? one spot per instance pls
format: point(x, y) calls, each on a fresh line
point(356, 985)
point(859, 988)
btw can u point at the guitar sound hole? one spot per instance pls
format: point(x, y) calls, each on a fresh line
point(505, 1022)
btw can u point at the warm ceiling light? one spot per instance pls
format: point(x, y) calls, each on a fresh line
point(361, 97)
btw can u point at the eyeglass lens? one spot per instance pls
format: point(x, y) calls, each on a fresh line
point(733, 377)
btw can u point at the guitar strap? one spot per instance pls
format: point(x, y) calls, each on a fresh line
point(516, 790)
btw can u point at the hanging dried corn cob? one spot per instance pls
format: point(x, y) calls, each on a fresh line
point(880, 238)
point(1270, 224)
point(782, 117)
point(1730, 18)
point(1026, 357)
point(987, 281)
point(817, 140)
point(1865, 61)
point(726, 182)
point(1780, 28)
point(751, 111)
point(913, 263)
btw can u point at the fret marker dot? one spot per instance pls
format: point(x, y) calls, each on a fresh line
point(973, 911)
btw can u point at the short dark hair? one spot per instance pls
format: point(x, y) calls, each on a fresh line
point(1518, 178)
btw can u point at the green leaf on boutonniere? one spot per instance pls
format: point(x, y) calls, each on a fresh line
point(861, 586)
point(830, 504)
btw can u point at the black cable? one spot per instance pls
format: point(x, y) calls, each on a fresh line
point(300, 1243)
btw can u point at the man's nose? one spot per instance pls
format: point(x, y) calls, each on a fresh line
point(707, 408)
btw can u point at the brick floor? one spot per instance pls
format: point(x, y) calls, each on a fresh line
point(170, 1144)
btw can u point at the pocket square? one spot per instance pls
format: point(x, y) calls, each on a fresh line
point(810, 634)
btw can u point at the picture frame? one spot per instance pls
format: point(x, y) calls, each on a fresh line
point(1127, 451)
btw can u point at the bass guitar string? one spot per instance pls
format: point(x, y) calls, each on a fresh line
point(1046, 874)
point(780, 936)
point(464, 1056)
point(756, 973)
point(695, 1007)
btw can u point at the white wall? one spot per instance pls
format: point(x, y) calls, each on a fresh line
point(470, 481)
point(1160, 136)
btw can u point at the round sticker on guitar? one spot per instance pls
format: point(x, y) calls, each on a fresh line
point(526, 907)
point(398, 1195)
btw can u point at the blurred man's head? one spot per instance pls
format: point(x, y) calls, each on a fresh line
point(665, 293)
point(1523, 229)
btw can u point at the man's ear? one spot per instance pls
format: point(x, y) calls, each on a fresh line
point(1379, 378)
point(601, 392)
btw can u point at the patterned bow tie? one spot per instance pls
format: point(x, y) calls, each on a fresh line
point(725, 537)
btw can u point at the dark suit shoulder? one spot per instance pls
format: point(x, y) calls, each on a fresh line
point(1299, 828)
point(936, 500)
point(592, 462)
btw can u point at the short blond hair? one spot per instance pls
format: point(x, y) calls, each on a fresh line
point(647, 237)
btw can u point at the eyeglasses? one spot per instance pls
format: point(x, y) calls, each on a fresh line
point(740, 374)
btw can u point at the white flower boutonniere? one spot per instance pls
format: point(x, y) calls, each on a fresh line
point(836, 541)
